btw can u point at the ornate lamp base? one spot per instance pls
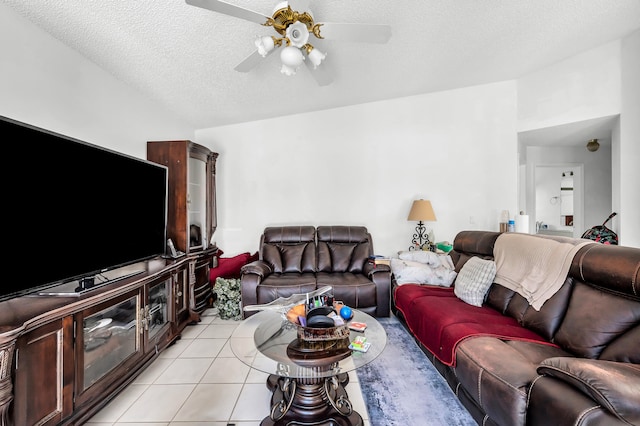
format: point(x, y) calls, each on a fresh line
point(420, 239)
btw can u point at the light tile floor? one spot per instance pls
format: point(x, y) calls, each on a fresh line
point(199, 382)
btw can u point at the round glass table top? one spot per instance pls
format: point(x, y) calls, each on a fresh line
point(268, 342)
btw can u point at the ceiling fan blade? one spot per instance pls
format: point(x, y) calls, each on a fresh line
point(249, 63)
point(252, 61)
point(323, 74)
point(230, 9)
point(364, 33)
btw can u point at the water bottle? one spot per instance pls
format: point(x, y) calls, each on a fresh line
point(504, 221)
point(511, 227)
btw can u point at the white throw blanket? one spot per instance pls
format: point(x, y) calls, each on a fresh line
point(423, 267)
point(534, 266)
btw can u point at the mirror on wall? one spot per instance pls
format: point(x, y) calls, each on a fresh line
point(566, 199)
point(556, 199)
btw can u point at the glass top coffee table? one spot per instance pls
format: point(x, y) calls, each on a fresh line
point(307, 379)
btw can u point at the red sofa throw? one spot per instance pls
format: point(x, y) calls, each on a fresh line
point(440, 320)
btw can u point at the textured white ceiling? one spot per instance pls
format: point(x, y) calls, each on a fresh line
point(183, 56)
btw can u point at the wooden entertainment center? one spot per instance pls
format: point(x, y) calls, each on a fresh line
point(62, 358)
point(65, 354)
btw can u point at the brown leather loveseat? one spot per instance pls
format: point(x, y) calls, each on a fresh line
point(301, 259)
point(575, 361)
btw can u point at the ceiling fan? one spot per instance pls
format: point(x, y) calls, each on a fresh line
point(294, 23)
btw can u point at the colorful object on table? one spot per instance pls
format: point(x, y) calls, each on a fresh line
point(360, 344)
point(357, 326)
point(346, 312)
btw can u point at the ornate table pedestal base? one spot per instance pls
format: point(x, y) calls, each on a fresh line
point(310, 402)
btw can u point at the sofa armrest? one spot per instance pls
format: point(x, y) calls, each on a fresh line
point(614, 385)
point(371, 268)
point(257, 267)
point(381, 277)
point(251, 275)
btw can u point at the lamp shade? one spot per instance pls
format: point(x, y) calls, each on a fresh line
point(291, 58)
point(316, 57)
point(265, 45)
point(297, 34)
point(421, 210)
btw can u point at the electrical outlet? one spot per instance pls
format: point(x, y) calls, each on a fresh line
point(472, 220)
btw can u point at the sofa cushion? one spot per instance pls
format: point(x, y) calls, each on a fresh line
point(289, 248)
point(285, 257)
point(440, 320)
point(343, 248)
point(351, 289)
point(547, 320)
point(229, 267)
point(474, 279)
point(613, 384)
point(341, 255)
point(499, 297)
point(624, 348)
point(585, 331)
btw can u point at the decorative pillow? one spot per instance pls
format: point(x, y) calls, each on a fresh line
point(406, 272)
point(229, 267)
point(474, 280)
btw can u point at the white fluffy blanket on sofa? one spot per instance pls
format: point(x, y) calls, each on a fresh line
point(423, 267)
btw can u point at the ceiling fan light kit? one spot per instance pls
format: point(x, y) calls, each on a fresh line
point(297, 34)
point(266, 44)
point(314, 55)
point(295, 28)
point(291, 58)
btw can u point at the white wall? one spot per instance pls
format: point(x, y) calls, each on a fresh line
point(579, 88)
point(627, 200)
point(365, 165)
point(599, 83)
point(46, 84)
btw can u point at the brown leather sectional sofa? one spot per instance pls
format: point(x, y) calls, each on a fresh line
point(301, 259)
point(573, 362)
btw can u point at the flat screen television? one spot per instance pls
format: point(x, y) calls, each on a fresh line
point(74, 210)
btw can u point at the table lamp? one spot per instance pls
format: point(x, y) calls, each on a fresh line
point(421, 211)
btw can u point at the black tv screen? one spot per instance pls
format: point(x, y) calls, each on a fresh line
point(75, 210)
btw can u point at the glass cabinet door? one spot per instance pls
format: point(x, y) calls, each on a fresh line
point(109, 336)
point(197, 203)
point(157, 311)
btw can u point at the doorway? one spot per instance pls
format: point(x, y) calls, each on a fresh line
point(559, 199)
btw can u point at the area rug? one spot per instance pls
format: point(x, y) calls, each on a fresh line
point(401, 387)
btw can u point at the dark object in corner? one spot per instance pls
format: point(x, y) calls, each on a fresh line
point(195, 237)
point(602, 234)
